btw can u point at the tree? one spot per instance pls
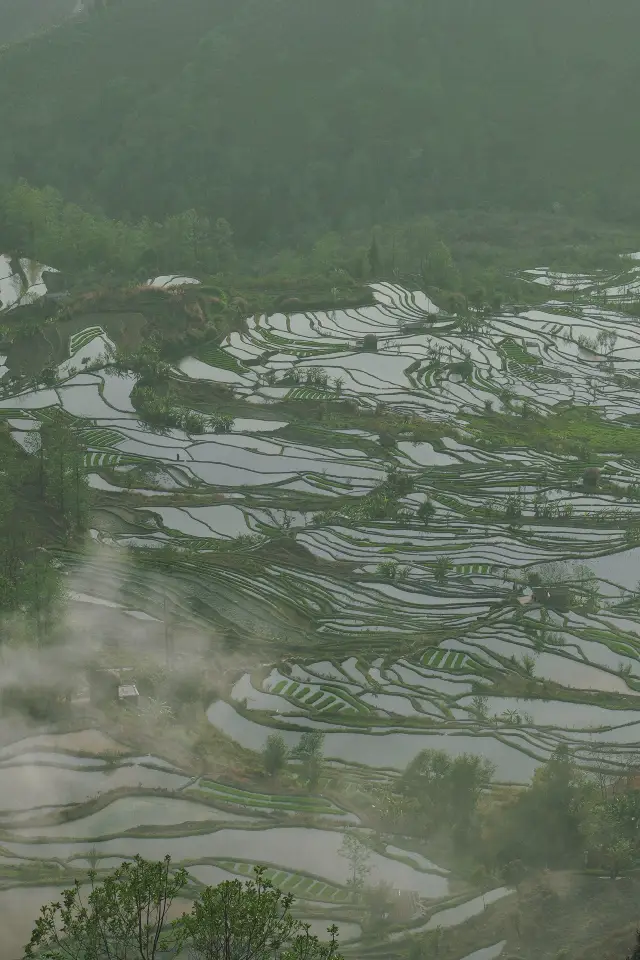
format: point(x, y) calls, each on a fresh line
point(480, 705)
point(63, 474)
point(380, 902)
point(357, 854)
point(224, 249)
point(603, 769)
point(441, 569)
point(636, 950)
point(125, 916)
point(610, 825)
point(457, 304)
point(274, 754)
point(591, 478)
point(309, 750)
point(543, 824)
point(373, 256)
point(439, 268)
point(446, 790)
point(186, 240)
point(249, 921)
point(42, 490)
point(426, 512)
point(327, 253)
point(604, 834)
point(477, 298)
point(469, 777)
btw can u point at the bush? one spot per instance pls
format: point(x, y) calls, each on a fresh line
point(274, 754)
point(125, 915)
point(370, 343)
point(591, 478)
point(42, 704)
point(426, 512)
point(387, 440)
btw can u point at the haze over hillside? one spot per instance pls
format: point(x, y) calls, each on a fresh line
point(320, 479)
point(293, 116)
point(20, 19)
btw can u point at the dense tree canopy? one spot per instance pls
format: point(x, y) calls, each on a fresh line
point(127, 916)
point(22, 18)
point(416, 106)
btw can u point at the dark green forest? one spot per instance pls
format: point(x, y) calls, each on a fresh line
point(291, 118)
point(20, 19)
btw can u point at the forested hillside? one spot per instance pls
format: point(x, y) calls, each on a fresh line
point(22, 18)
point(290, 118)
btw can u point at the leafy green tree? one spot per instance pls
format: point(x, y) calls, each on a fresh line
point(374, 258)
point(442, 568)
point(439, 268)
point(426, 512)
point(543, 824)
point(249, 921)
point(446, 790)
point(457, 304)
point(62, 472)
point(379, 901)
point(186, 240)
point(223, 245)
point(327, 252)
point(42, 490)
point(310, 751)
point(274, 754)
point(478, 298)
point(611, 827)
point(357, 855)
point(125, 917)
point(481, 706)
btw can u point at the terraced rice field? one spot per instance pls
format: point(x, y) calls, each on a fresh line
point(501, 620)
point(64, 812)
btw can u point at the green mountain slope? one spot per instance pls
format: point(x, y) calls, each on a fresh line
point(292, 116)
point(20, 19)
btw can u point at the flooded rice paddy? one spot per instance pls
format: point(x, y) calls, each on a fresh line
point(408, 629)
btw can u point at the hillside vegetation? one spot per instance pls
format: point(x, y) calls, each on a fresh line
point(290, 118)
point(20, 19)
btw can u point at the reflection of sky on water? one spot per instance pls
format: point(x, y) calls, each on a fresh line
point(387, 750)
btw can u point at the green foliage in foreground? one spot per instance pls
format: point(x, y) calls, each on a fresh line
point(126, 916)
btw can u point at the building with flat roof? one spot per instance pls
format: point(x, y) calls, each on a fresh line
point(128, 693)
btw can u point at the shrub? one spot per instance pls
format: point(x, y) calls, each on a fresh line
point(591, 478)
point(387, 440)
point(426, 512)
point(274, 754)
